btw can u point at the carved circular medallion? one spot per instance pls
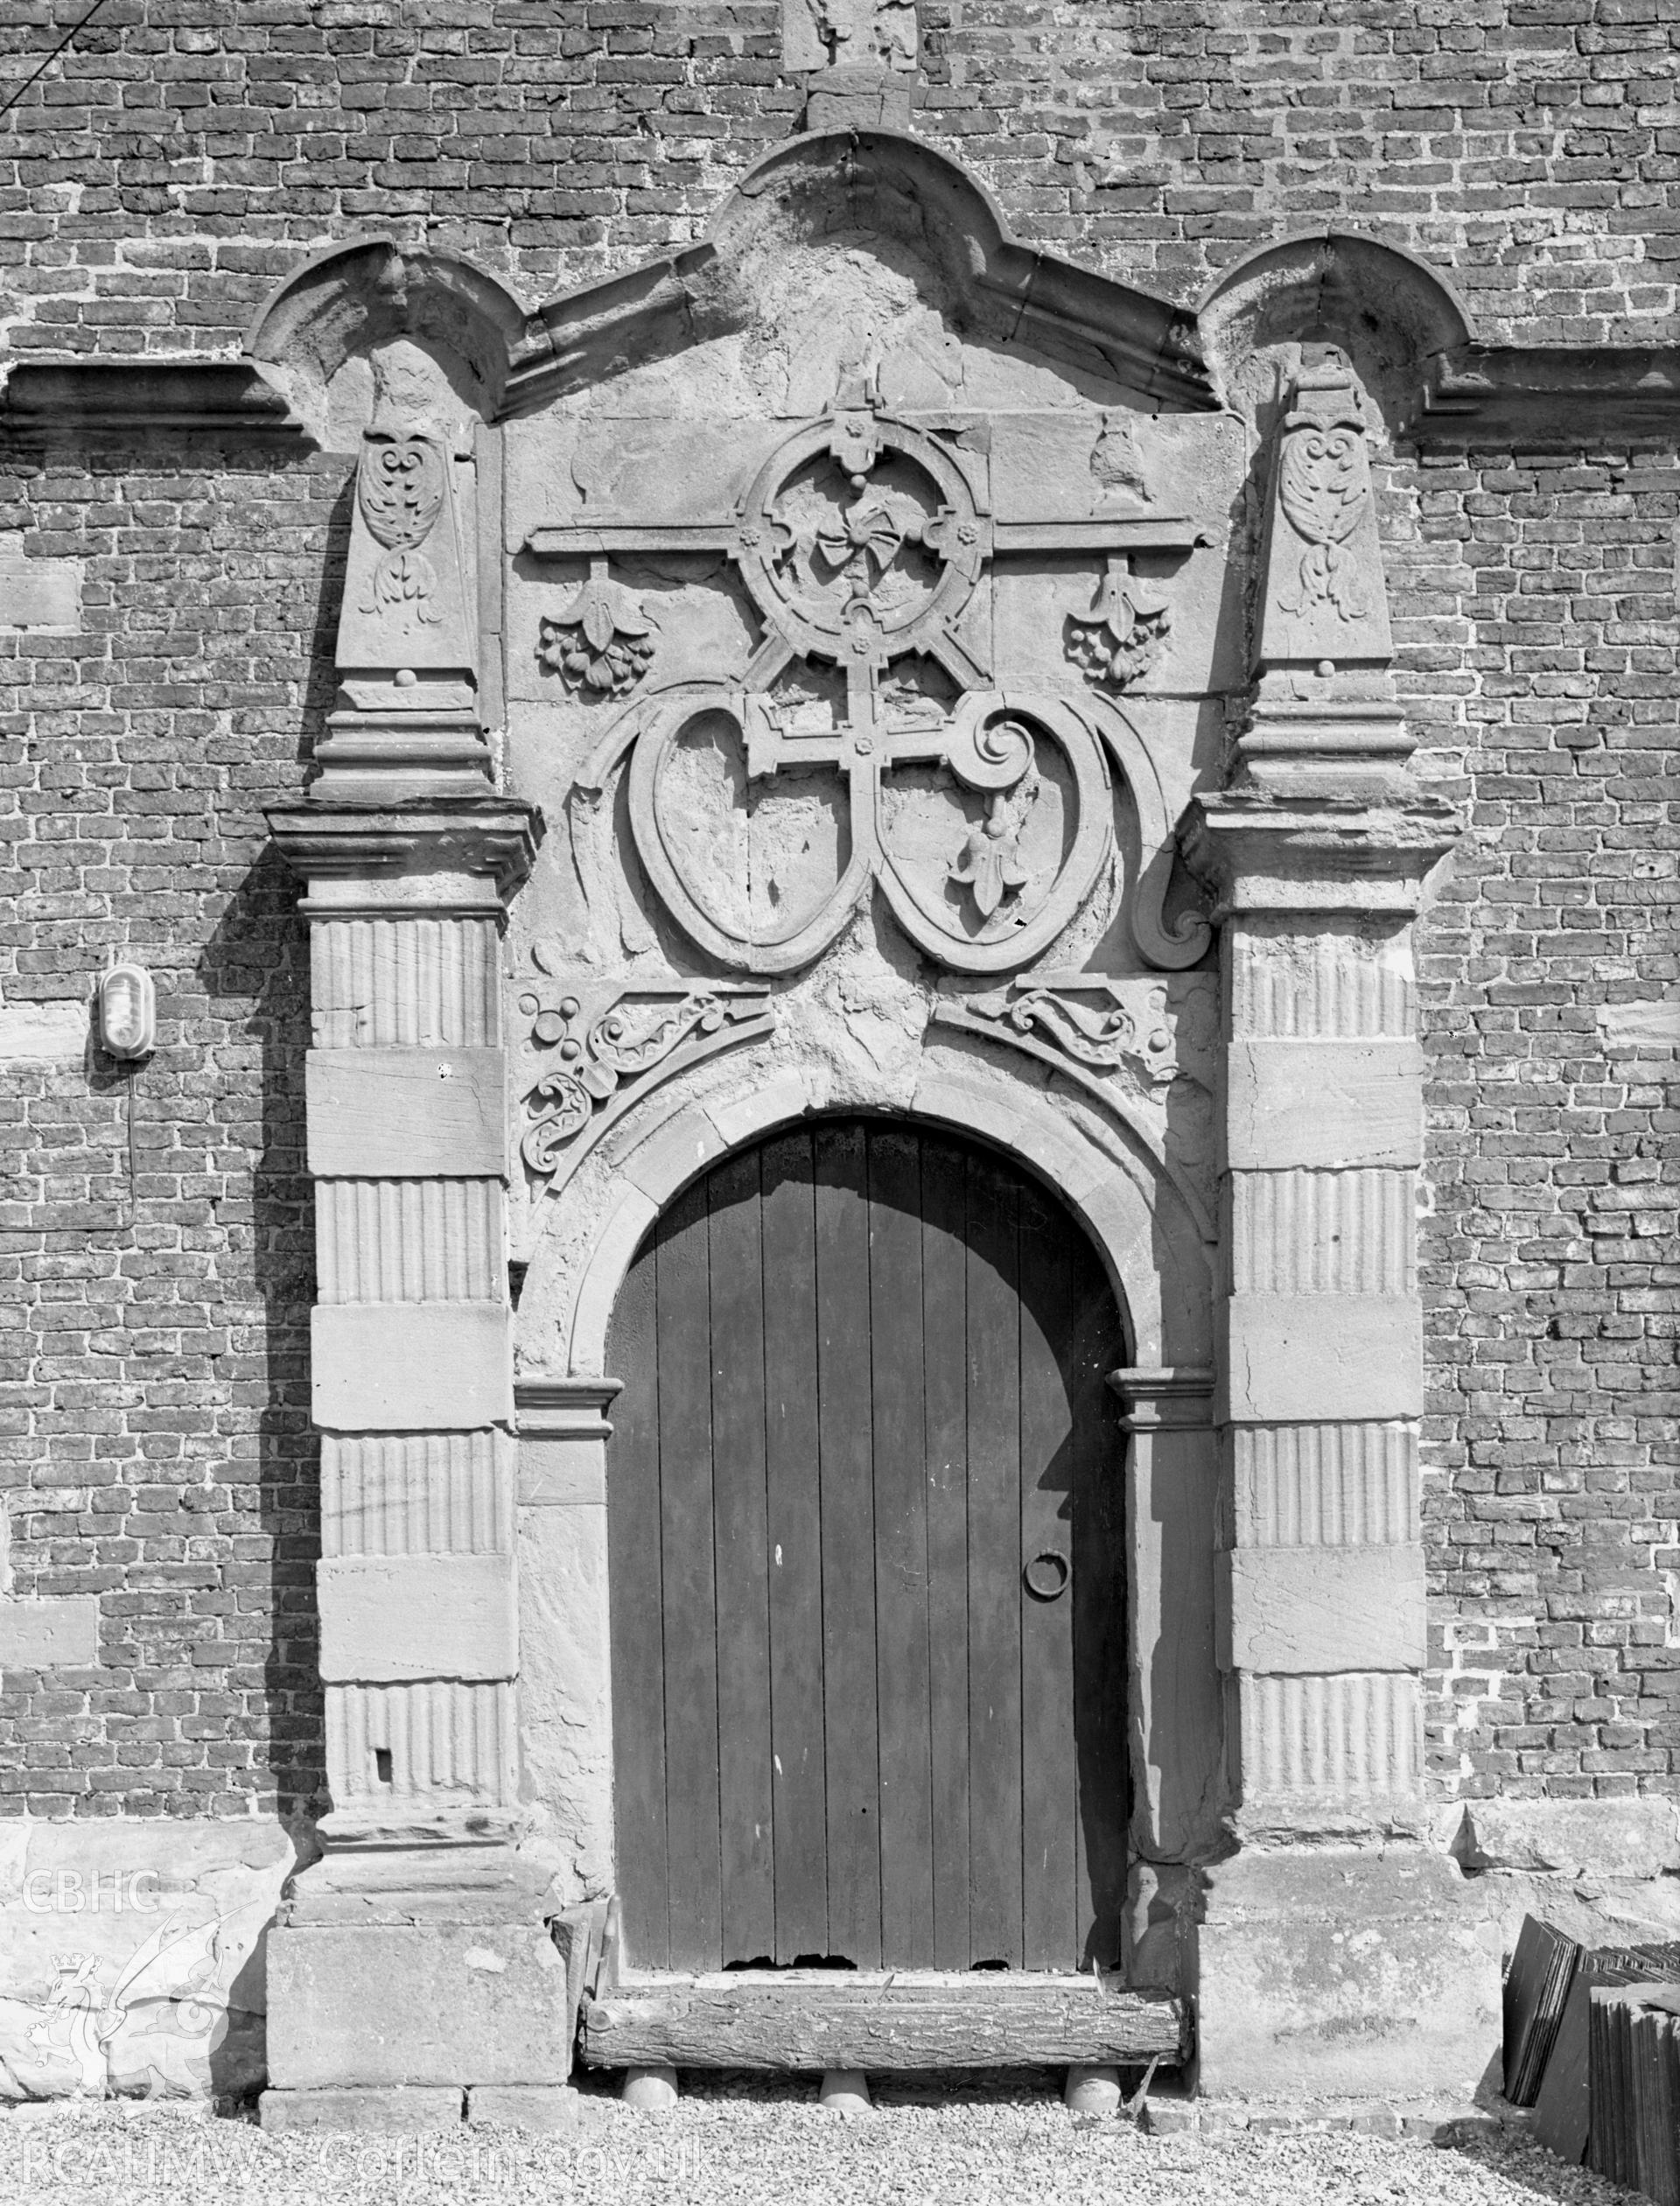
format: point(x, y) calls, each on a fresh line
point(862, 544)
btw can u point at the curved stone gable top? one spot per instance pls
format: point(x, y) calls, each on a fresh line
point(880, 185)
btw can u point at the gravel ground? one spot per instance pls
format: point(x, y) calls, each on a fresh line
point(763, 2145)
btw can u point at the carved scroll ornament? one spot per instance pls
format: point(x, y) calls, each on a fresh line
point(638, 1035)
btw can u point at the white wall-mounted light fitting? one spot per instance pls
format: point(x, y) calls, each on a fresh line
point(127, 1012)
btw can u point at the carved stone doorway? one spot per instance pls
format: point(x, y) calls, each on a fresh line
point(867, 1567)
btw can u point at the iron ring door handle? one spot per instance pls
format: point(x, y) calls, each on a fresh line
point(1046, 1576)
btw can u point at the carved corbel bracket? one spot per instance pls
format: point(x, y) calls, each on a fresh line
point(611, 1052)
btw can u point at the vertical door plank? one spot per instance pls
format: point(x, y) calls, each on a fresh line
point(634, 1606)
point(1097, 1346)
point(741, 1559)
point(795, 1549)
point(689, 1585)
point(849, 1676)
point(895, 1293)
point(944, 1306)
point(1049, 1795)
point(994, 1565)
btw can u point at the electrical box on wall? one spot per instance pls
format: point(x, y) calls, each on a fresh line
point(127, 1012)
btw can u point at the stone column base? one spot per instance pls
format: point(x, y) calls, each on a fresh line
point(1346, 1972)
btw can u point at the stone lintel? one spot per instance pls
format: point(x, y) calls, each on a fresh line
point(1321, 1104)
point(1315, 856)
point(1309, 1611)
point(1321, 1358)
point(406, 1113)
point(410, 1367)
point(386, 1619)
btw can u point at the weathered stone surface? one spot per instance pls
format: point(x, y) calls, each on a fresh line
point(48, 1033)
point(1600, 1839)
point(133, 1955)
point(406, 1113)
point(1319, 1608)
point(410, 1367)
point(404, 2111)
point(38, 593)
point(1315, 1356)
point(1323, 1104)
point(1341, 1971)
point(439, 2005)
point(397, 1616)
point(58, 1633)
point(541, 2108)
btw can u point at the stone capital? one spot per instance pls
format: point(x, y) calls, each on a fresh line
point(1317, 856)
point(466, 858)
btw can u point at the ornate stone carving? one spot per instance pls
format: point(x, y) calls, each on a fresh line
point(603, 640)
point(635, 1035)
point(1087, 1018)
point(1120, 640)
point(991, 745)
point(400, 486)
point(865, 542)
point(1324, 486)
point(1115, 1039)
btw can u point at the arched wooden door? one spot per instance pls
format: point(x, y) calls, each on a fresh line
point(867, 1566)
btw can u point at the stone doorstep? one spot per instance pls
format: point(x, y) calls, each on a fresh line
point(1432, 2120)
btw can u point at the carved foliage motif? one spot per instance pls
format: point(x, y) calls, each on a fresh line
point(603, 641)
point(637, 1030)
point(1122, 638)
point(401, 485)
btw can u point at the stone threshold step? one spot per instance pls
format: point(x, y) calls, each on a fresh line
point(813, 2019)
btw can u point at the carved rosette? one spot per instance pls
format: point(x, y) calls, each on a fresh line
point(400, 486)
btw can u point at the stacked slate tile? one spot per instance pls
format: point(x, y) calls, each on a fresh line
point(1634, 2064)
point(1592, 2044)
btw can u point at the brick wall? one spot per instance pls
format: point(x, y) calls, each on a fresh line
point(1541, 602)
point(183, 156)
point(155, 1247)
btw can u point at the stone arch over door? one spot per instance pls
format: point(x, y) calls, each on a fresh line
point(1156, 1264)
